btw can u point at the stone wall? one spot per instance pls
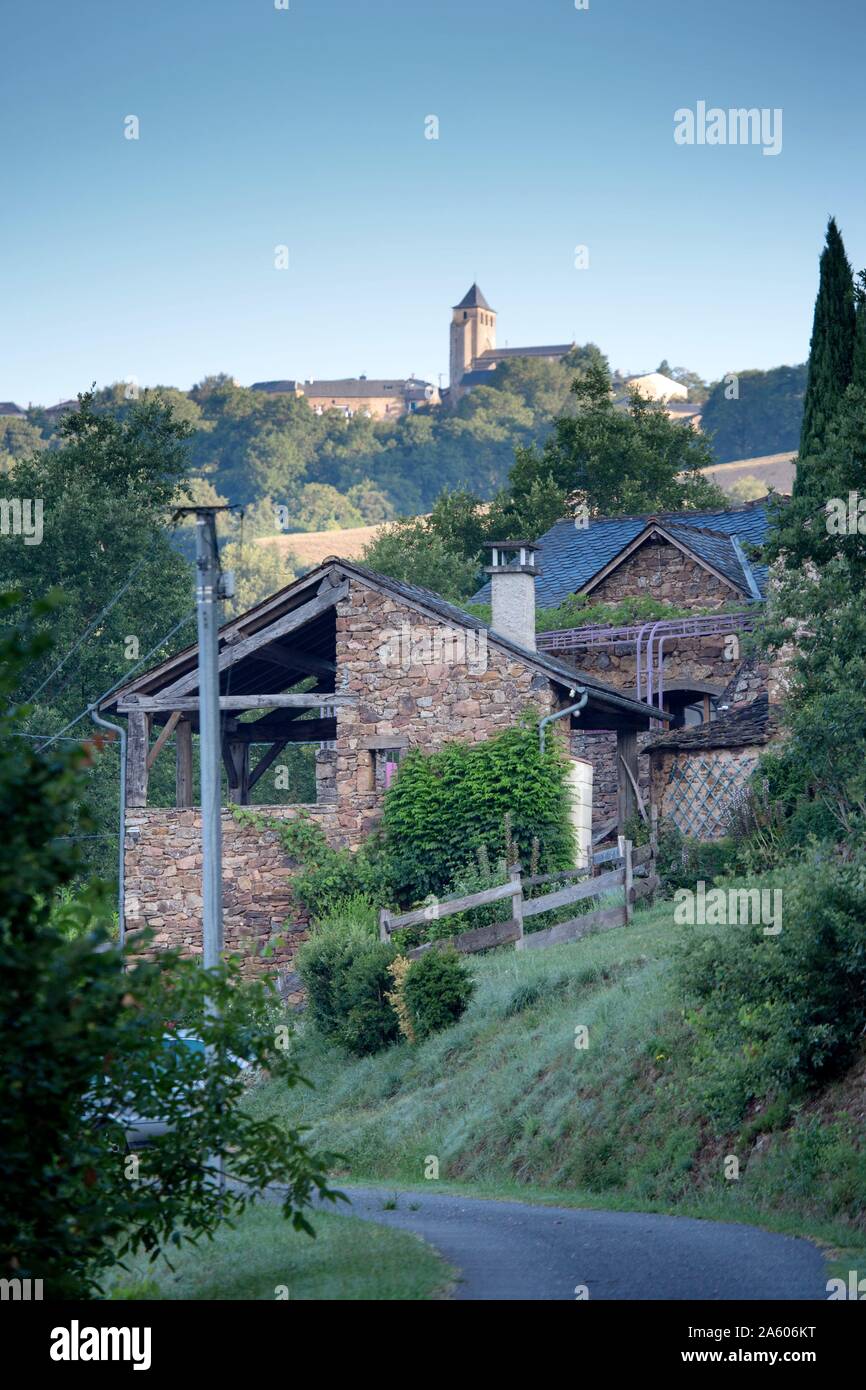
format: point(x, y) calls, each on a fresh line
point(418, 684)
point(163, 888)
point(685, 658)
point(660, 570)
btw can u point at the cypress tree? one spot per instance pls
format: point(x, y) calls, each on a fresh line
point(831, 354)
point(858, 375)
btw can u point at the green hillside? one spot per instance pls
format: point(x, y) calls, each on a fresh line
point(510, 1106)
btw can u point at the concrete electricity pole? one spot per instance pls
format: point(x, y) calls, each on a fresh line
point(207, 594)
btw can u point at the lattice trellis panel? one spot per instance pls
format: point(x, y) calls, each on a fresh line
point(700, 794)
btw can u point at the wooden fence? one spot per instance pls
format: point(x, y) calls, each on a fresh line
point(635, 876)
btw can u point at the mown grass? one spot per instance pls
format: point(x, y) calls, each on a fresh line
point(509, 1106)
point(263, 1258)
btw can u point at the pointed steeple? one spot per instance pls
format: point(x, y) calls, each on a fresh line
point(473, 299)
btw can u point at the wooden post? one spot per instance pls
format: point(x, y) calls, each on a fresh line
point(625, 849)
point(626, 762)
point(517, 904)
point(237, 760)
point(183, 763)
point(384, 925)
point(137, 739)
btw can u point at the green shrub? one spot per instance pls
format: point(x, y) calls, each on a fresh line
point(326, 877)
point(445, 806)
point(780, 1012)
point(683, 860)
point(437, 989)
point(781, 814)
point(354, 915)
point(346, 977)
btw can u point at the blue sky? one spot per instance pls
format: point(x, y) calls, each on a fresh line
point(304, 127)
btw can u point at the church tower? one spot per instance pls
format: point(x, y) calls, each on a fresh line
point(473, 331)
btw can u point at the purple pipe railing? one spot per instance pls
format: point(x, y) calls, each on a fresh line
point(597, 636)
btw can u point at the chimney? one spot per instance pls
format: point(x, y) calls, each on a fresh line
point(512, 573)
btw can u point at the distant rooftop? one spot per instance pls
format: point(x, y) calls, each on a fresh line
point(10, 408)
point(361, 387)
point(501, 354)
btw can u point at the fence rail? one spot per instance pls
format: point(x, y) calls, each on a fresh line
point(589, 883)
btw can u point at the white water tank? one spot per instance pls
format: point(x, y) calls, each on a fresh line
point(580, 782)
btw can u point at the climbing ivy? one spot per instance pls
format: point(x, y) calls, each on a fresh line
point(446, 805)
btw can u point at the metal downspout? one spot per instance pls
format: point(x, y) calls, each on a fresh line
point(560, 714)
point(637, 667)
point(649, 661)
point(121, 871)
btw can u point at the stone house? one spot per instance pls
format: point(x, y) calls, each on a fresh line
point(686, 667)
point(363, 667)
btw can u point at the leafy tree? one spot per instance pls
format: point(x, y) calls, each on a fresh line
point(747, 489)
point(612, 460)
point(322, 508)
point(84, 1042)
point(762, 416)
point(259, 570)
point(831, 353)
point(372, 503)
point(411, 550)
point(107, 493)
point(818, 601)
point(18, 439)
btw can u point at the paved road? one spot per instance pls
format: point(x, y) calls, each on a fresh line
point(510, 1250)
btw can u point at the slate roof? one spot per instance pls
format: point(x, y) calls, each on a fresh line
point(569, 556)
point(362, 387)
point(473, 299)
point(552, 350)
point(10, 408)
point(415, 595)
point(739, 728)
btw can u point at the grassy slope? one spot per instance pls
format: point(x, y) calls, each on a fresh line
point(348, 1259)
point(509, 1106)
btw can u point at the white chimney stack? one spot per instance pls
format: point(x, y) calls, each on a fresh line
point(512, 571)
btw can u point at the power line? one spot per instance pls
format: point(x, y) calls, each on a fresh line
point(123, 679)
point(92, 628)
point(68, 738)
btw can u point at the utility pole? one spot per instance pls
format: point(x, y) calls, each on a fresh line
point(207, 594)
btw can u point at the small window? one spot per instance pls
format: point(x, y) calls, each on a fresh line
point(385, 764)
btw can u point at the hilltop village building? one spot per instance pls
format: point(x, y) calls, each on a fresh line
point(473, 355)
point(381, 399)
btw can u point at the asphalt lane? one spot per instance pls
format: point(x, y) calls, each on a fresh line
point(511, 1250)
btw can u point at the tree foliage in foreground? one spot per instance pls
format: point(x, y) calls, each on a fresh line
point(84, 1041)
